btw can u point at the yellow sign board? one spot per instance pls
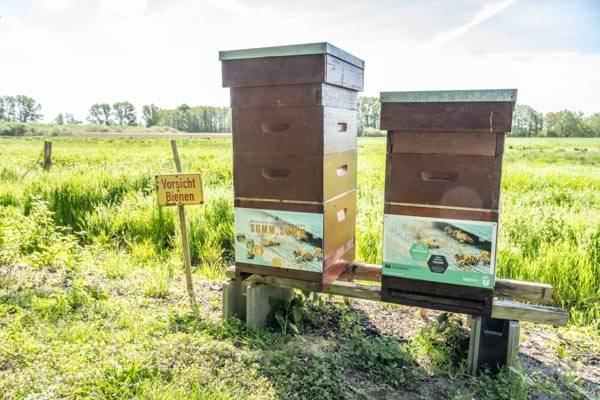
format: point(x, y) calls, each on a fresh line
point(179, 189)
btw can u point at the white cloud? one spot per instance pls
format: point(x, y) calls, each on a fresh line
point(52, 5)
point(121, 7)
point(483, 15)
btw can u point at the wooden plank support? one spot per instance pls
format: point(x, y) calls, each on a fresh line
point(522, 290)
point(518, 290)
point(511, 310)
point(501, 309)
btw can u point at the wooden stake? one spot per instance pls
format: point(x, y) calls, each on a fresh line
point(184, 238)
point(47, 155)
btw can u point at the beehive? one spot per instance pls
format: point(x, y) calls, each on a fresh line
point(442, 192)
point(294, 124)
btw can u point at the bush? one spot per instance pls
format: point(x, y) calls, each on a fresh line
point(373, 132)
point(12, 129)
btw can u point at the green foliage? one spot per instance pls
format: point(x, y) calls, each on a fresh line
point(369, 111)
point(150, 115)
point(566, 124)
point(124, 113)
point(510, 384)
point(59, 120)
point(526, 121)
point(195, 119)
point(100, 114)
point(373, 132)
point(444, 344)
point(35, 240)
point(287, 316)
point(593, 124)
point(19, 108)
point(211, 236)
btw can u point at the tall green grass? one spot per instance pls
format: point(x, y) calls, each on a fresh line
point(104, 190)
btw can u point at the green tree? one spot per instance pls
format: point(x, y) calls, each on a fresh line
point(593, 124)
point(100, 114)
point(59, 120)
point(527, 121)
point(369, 113)
point(150, 115)
point(182, 118)
point(27, 109)
point(566, 124)
point(70, 119)
point(10, 108)
point(2, 110)
point(124, 113)
point(196, 119)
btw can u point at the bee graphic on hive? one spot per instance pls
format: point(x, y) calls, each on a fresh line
point(458, 234)
point(466, 259)
point(303, 255)
point(270, 241)
point(430, 242)
point(486, 257)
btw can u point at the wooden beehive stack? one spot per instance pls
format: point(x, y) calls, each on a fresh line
point(442, 192)
point(294, 111)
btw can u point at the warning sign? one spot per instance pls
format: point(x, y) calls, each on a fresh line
point(179, 189)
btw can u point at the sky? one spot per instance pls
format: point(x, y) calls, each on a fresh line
point(70, 54)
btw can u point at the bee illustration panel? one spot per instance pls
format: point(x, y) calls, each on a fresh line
point(279, 239)
point(440, 250)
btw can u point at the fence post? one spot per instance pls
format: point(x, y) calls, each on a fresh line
point(47, 154)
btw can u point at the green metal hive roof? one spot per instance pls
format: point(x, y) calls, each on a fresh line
point(292, 50)
point(442, 96)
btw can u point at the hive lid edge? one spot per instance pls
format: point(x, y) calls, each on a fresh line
point(292, 50)
point(443, 96)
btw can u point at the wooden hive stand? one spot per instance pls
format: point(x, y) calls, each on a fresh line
point(493, 342)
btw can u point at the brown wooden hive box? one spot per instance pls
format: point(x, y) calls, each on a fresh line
point(442, 194)
point(444, 180)
point(313, 242)
point(448, 111)
point(289, 65)
point(294, 177)
point(301, 95)
point(294, 130)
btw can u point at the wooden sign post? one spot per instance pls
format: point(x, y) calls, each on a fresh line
point(179, 190)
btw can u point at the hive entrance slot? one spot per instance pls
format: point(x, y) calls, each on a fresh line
point(343, 170)
point(447, 177)
point(275, 174)
point(275, 127)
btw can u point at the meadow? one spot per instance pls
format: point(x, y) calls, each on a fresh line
point(91, 295)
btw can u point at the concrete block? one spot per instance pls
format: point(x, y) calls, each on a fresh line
point(234, 300)
point(257, 302)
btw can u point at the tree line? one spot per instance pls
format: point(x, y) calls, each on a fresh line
point(19, 109)
point(184, 118)
point(527, 121)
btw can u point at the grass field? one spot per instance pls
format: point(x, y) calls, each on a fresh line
point(91, 299)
